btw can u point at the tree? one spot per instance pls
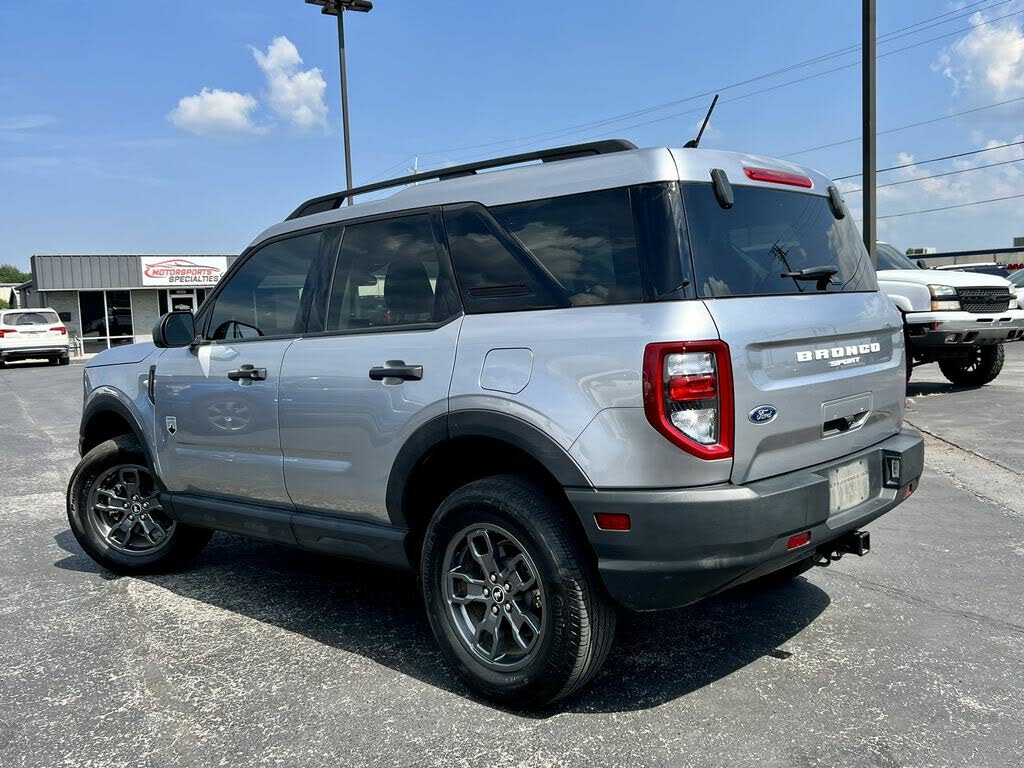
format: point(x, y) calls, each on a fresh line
point(11, 274)
point(3, 304)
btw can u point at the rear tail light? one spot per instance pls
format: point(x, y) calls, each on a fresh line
point(6, 332)
point(688, 396)
point(778, 177)
point(61, 328)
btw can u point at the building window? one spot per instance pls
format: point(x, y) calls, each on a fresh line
point(106, 319)
point(180, 299)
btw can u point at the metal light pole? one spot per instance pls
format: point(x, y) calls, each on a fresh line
point(869, 127)
point(338, 8)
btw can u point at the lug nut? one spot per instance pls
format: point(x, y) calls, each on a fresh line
point(145, 505)
point(494, 610)
point(508, 587)
point(125, 505)
point(135, 498)
point(487, 592)
point(508, 607)
point(494, 577)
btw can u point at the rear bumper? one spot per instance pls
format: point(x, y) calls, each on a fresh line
point(946, 330)
point(687, 544)
point(33, 353)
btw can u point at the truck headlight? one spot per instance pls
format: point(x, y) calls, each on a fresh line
point(944, 298)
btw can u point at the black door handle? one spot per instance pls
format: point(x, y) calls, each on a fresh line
point(248, 372)
point(396, 369)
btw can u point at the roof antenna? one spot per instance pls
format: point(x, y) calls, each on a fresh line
point(693, 143)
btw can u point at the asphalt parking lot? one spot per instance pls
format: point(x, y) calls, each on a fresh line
point(262, 655)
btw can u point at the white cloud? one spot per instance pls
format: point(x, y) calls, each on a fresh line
point(297, 95)
point(215, 111)
point(989, 59)
point(972, 226)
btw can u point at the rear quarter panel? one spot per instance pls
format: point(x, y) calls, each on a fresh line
point(585, 387)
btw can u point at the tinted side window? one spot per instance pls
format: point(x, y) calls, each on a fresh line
point(585, 241)
point(390, 273)
point(492, 276)
point(264, 297)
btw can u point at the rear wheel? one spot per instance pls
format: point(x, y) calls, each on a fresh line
point(115, 512)
point(54, 361)
point(65, 360)
point(516, 606)
point(981, 366)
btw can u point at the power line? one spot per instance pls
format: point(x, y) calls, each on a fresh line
point(951, 207)
point(556, 133)
point(908, 126)
point(936, 175)
point(935, 159)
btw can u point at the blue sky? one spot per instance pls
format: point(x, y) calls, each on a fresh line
point(190, 126)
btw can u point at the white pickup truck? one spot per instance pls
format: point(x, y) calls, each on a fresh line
point(959, 320)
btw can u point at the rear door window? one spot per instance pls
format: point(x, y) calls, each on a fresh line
point(586, 242)
point(390, 274)
point(755, 247)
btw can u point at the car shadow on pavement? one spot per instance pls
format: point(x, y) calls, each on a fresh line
point(936, 388)
point(378, 613)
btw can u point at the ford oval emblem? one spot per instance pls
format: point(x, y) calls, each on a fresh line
point(763, 414)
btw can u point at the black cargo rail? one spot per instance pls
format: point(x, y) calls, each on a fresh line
point(335, 199)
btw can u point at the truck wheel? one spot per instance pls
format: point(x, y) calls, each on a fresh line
point(980, 367)
point(115, 513)
point(518, 609)
point(65, 360)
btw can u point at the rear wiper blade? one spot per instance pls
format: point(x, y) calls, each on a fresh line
point(822, 275)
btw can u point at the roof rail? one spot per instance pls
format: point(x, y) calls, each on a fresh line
point(334, 200)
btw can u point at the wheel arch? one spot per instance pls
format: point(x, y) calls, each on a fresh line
point(106, 417)
point(452, 450)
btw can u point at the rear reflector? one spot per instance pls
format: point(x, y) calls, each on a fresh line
point(61, 328)
point(778, 177)
point(686, 388)
point(799, 540)
point(612, 521)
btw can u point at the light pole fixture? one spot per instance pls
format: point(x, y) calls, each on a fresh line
point(338, 8)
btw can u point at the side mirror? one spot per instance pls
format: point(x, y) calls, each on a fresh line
point(175, 329)
point(922, 264)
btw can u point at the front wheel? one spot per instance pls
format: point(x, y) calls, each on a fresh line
point(115, 513)
point(516, 606)
point(979, 367)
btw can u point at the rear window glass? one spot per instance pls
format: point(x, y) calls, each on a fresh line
point(755, 247)
point(31, 318)
point(586, 242)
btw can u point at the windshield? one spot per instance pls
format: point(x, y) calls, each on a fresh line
point(1017, 278)
point(760, 245)
point(890, 258)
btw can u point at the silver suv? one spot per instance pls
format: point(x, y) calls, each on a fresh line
point(616, 376)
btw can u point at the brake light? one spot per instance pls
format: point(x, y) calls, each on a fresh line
point(778, 177)
point(6, 331)
point(61, 328)
point(688, 395)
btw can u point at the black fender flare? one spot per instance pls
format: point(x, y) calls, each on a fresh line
point(103, 403)
point(478, 423)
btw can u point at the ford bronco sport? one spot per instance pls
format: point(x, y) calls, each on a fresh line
point(615, 376)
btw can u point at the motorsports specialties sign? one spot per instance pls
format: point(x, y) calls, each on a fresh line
point(182, 270)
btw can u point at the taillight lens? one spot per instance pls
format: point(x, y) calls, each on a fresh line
point(6, 332)
point(61, 328)
point(688, 395)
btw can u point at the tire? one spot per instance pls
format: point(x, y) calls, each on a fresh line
point(571, 621)
point(65, 360)
point(54, 361)
point(104, 480)
point(979, 368)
